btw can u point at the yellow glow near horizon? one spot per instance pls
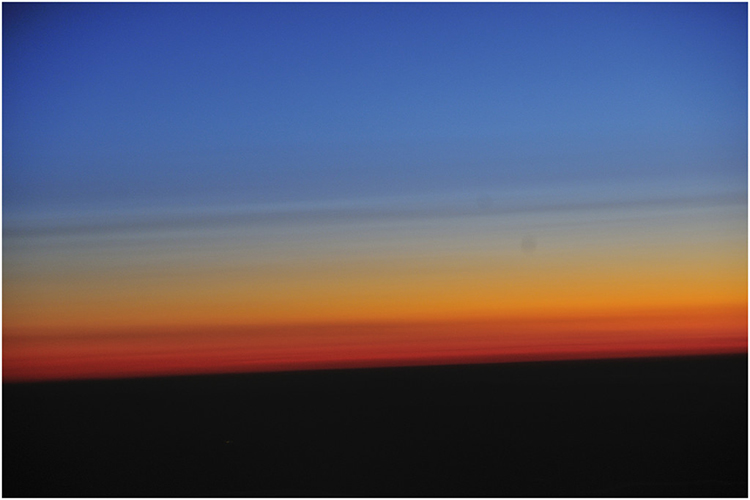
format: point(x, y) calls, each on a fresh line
point(459, 270)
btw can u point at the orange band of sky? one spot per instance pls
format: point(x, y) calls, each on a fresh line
point(122, 353)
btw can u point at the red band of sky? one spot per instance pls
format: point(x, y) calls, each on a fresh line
point(182, 351)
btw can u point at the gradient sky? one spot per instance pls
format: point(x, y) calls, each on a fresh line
point(218, 187)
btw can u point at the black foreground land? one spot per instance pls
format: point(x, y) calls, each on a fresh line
point(646, 427)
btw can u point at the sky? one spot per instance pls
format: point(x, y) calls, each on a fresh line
point(194, 188)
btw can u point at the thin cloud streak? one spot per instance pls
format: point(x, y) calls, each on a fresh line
point(234, 218)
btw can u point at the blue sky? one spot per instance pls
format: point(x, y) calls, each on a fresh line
point(193, 103)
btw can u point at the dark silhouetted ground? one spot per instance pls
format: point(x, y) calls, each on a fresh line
point(647, 427)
